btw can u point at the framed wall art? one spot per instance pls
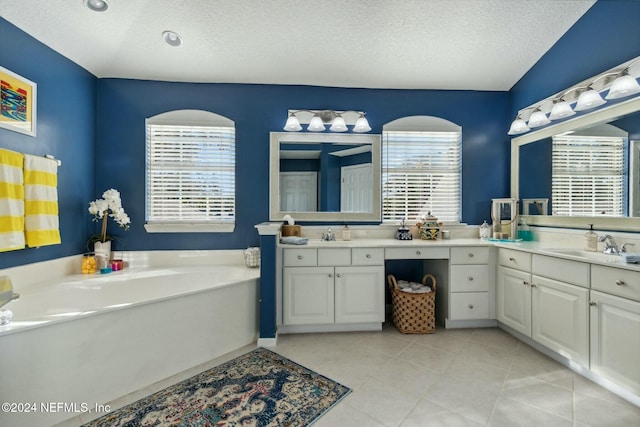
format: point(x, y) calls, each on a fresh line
point(17, 103)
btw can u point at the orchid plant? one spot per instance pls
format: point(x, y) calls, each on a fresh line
point(109, 206)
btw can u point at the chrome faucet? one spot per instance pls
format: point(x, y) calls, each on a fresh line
point(610, 245)
point(623, 247)
point(328, 236)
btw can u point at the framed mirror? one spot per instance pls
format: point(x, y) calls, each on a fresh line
point(324, 177)
point(532, 176)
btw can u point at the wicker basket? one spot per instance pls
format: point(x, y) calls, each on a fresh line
point(413, 313)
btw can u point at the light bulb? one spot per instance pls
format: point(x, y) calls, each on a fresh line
point(362, 125)
point(624, 85)
point(589, 99)
point(316, 124)
point(293, 124)
point(338, 124)
point(560, 110)
point(518, 126)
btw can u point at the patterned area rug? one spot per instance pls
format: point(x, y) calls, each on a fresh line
point(260, 388)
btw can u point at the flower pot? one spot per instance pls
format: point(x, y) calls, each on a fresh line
point(102, 250)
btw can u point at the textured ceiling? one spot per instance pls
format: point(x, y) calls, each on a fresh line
point(420, 44)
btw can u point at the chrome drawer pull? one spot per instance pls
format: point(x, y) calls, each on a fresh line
point(417, 252)
point(470, 255)
point(330, 275)
point(471, 278)
point(533, 285)
point(339, 275)
point(470, 305)
point(299, 256)
point(593, 303)
point(368, 255)
point(524, 282)
point(512, 259)
point(620, 282)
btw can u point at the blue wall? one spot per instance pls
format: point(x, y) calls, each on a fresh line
point(604, 37)
point(65, 129)
point(257, 110)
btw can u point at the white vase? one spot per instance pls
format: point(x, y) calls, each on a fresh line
point(102, 251)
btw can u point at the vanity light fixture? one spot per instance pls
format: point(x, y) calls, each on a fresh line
point(623, 85)
point(97, 5)
point(518, 126)
point(620, 82)
point(560, 109)
point(316, 124)
point(293, 124)
point(172, 38)
point(317, 121)
point(537, 119)
point(589, 98)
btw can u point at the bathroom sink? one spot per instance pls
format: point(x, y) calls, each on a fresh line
point(595, 256)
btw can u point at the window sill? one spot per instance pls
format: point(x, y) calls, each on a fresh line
point(189, 228)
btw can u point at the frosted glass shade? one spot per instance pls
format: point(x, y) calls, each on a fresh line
point(316, 124)
point(338, 125)
point(362, 125)
point(293, 124)
point(589, 99)
point(518, 126)
point(623, 86)
point(560, 110)
point(537, 119)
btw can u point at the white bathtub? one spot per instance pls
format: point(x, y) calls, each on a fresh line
point(77, 341)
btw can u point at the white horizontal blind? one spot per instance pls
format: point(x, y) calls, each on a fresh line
point(588, 175)
point(190, 174)
point(421, 173)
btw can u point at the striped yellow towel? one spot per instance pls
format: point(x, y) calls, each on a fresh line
point(41, 224)
point(11, 201)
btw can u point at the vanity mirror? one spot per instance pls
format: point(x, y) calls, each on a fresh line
point(324, 177)
point(531, 169)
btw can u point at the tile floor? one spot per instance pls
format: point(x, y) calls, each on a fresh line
point(455, 377)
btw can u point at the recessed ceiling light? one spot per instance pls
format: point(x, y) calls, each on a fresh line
point(172, 38)
point(97, 5)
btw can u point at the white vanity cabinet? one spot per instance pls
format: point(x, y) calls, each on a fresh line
point(547, 299)
point(333, 286)
point(560, 306)
point(469, 284)
point(615, 325)
point(513, 301)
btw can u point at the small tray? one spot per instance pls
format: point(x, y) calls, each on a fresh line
point(491, 239)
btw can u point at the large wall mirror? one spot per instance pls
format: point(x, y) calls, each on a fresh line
point(533, 175)
point(324, 177)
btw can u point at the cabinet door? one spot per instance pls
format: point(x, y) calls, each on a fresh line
point(359, 294)
point(615, 339)
point(514, 299)
point(307, 295)
point(560, 318)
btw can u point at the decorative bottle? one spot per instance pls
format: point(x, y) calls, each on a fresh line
point(485, 231)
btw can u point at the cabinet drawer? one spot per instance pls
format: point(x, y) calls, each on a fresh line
point(300, 257)
point(616, 281)
point(417, 253)
point(471, 305)
point(469, 278)
point(514, 259)
point(367, 256)
point(563, 270)
point(334, 256)
point(470, 255)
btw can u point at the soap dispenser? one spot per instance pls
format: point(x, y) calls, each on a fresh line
point(346, 233)
point(591, 240)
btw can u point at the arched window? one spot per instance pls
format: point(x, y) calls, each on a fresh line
point(190, 172)
point(421, 169)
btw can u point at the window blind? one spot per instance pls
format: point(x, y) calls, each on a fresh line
point(421, 173)
point(190, 174)
point(588, 175)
